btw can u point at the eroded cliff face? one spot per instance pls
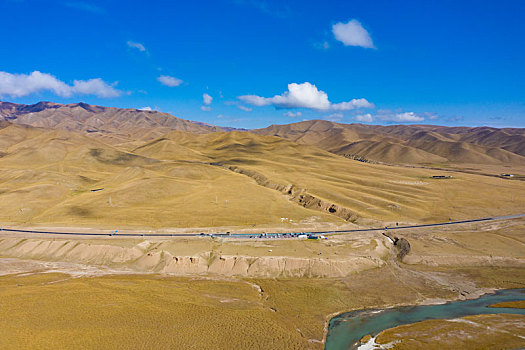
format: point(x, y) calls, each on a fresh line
point(256, 266)
point(143, 258)
point(299, 195)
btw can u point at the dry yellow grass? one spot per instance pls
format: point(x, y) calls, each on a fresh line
point(183, 180)
point(46, 177)
point(470, 332)
point(54, 311)
point(137, 311)
point(376, 191)
point(511, 304)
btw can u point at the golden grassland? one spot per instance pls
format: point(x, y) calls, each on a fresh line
point(500, 331)
point(46, 178)
point(56, 310)
point(52, 310)
point(377, 191)
point(511, 304)
point(520, 304)
point(182, 180)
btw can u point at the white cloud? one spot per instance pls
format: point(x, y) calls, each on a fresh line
point(402, 117)
point(95, 87)
point(292, 114)
point(136, 45)
point(255, 100)
point(353, 104)
point(169, 81)
point(244, 108)
point(366, 118)
point(335, 117)
point(388, 116)
point(303, 95)
point(18, 85)
point(206, 108)
point(206, 99)
point(147, 108)
point(352, 33)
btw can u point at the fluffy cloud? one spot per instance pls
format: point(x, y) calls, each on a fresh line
point(136, 45)
point(169, 81)
point(352, 33)
point(244, 108)
point(402, 117)
point(292, 114)
point(95, 87)
point(303, 95)
point(366, 118)
point(387, 116)
point(147, 108)
point(18, 85)
point(353, 104)
point(206, 99)
point(335, 117)
point(206, 108)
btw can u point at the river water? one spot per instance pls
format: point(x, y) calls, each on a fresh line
point(346, 330)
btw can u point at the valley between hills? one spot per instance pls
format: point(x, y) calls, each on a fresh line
point(86, 168)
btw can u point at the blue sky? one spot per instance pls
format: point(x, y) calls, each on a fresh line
point(252, 63)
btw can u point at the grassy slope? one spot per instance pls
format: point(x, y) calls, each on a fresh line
point(50, 311)
point(377, 191)
point(46, 177)
point(58, 311)
point(472, 332)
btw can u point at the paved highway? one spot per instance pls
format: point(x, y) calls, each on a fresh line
point(263, 235)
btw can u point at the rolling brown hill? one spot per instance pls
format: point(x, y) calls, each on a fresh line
point(113, 125)
point(146, 172)
point(409, 144)
point(181, 179)
point(395, 144)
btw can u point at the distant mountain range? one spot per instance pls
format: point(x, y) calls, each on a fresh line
point(111, 124)
point(410, 144)
point(406, 144)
